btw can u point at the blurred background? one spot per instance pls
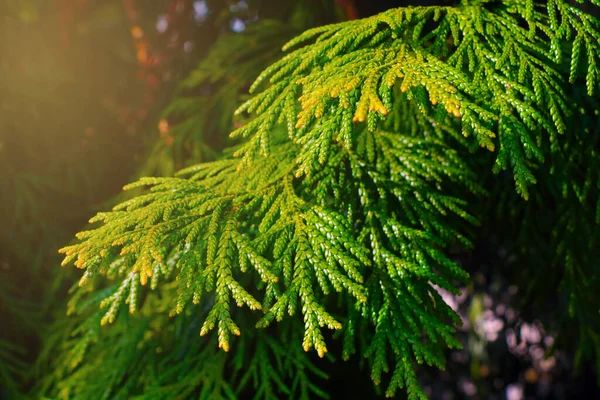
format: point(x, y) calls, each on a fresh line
point(94, 93)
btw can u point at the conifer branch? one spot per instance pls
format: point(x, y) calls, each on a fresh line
point(476, 64)
point(347, 188)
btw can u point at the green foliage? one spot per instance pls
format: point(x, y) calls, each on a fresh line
point(223, 75)
point(470, 62)
point(558, 235)
point(348, 194)
point(222, 231)
point(20, 324)
point(12, 366)
point(154, 356)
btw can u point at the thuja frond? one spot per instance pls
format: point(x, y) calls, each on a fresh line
point(154, 356)
point(473, 62)
point(348, 217)
point(275, 365)
point(199, 224)
point(267, 240)
point(140, 361)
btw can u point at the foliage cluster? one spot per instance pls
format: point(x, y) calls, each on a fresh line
point(356, 176)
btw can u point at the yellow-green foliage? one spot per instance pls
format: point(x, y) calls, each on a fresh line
point(350, 187)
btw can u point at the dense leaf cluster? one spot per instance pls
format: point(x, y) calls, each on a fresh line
point(344, 200)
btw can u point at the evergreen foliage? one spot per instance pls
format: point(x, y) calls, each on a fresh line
point(226, 72)
point(340, 208)
point(12, 366)
point(557, 234)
